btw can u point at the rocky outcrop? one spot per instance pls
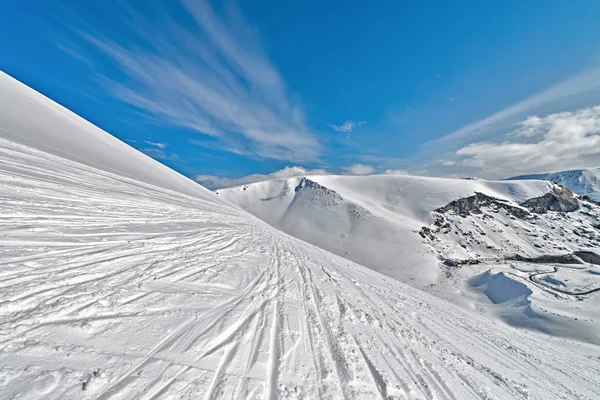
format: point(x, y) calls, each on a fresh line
point(558, 199)
point(427, 233)
point(308, 184)
point(473, 205)
point(459, 263)
point(556, 228)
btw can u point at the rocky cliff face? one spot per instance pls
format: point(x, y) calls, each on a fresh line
point(475, 204)
point(558, 199)
point(485, 228)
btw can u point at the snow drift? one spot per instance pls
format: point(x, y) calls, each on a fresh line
point(500, 288)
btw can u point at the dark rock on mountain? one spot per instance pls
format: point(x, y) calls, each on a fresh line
point(473, 204)
point(558, 199)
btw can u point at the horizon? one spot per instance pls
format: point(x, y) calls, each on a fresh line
point(231, 92)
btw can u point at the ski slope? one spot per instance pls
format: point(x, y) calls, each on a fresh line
point(136, 283)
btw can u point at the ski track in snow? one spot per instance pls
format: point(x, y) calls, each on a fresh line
point(175, 297)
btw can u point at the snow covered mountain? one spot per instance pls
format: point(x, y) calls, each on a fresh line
point(422, 230)
point(585, 182)
point(378, 220)
point(122, 279)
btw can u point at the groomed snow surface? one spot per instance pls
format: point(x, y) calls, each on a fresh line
point(121, 279)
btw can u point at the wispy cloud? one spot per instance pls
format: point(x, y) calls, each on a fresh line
point(447, 163)
point(211, 76)
point(159, 145)
point(78, 55)
point(584, 82)
point(559, 141)
point(215, 182)
point(347, 126)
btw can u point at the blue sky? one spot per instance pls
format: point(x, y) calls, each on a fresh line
point(221, 90)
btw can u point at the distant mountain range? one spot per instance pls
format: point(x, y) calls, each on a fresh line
point(585, 182)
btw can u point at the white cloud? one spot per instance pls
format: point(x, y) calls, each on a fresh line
point(211, 76)
point(582, 83)
point(156, 144)
point(447, 163)
point(358, 169)
point(561, 141)
point(347, 126)
point(215, 182)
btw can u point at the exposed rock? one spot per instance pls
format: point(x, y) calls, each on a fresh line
point(459, 263)
point(426, 233)
point(308, 184)
point(558, 199)
point(473, 204)
point(315, 192)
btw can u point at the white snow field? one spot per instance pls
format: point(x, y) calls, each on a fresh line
point(121, 279)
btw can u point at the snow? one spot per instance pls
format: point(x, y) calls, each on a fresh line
point(585, 182)
point(60, 132)
point(500, 288)
point(508, 292)
point(122, 279)
point(371, 220)
point(377, 221)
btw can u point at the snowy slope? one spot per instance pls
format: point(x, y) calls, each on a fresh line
point(494, 246)
point(134, 283)
point(60, 132)
point(408, 228)
point(585, 182)
point(372, 220)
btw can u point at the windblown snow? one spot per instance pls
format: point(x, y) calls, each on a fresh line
point(122, 279)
